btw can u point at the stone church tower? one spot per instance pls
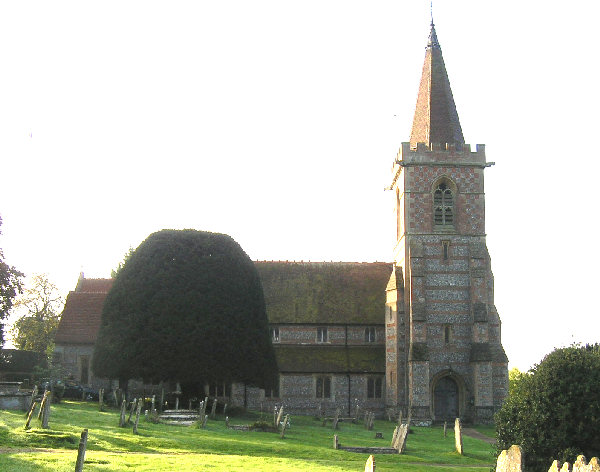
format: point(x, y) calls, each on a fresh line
point(444, 357)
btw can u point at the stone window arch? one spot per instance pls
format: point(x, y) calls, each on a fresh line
point(444, 199)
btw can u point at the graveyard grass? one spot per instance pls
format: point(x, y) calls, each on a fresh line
point(307, 445)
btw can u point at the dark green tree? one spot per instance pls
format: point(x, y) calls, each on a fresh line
point(187, 306)
point(10, 287)
point(42, 304)
point(114, 272)
point(553, 411)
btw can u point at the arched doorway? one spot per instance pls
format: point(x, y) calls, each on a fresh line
point(445, 399)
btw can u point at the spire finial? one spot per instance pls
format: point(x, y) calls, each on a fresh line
point(431, 11)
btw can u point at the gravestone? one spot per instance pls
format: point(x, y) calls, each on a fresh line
point(122, 415)
point(213, 412)
point(458, 436)
point(204, 421)
point(370, 465)
point(227, 421)
point(81, 451)
point(356, 412)
point(445, 428)
point(275, 416)
point(401, 438)
point(395, 435)
point(137, 416)
point(133, 405)
point(336, 442)
point(336, 418)
point(225, 409)
point(286, 421)
point(46, 412)
point(30, 415)
point(101, 399)
point(279, 415)
point(510, 460)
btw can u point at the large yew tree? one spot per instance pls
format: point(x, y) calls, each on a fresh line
point(186, 306)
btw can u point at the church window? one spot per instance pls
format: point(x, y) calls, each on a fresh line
point(443, 206)
point(370, 334)
point(447, 334)
point(273, 392)
point(322, 334)
point(374, 387)
point(445, 250)
point(219, 389)
point(275, 334)
point(323, 386)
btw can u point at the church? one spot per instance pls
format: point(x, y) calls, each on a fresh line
point(420, 335)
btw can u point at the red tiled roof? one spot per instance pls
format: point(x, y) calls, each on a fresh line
point(80, 320)
point(94, 285)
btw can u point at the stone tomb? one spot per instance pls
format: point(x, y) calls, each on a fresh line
point(11, 398)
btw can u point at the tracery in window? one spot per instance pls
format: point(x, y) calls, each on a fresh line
point(443, 205)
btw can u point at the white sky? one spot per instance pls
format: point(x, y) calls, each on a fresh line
point(277, 122)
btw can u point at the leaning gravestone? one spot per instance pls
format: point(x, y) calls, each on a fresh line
point(401, 438)
point(396, 429)
point(204, 421)
point(137, 416)
point(279, 416)
point(458, 436)
point(213, 412)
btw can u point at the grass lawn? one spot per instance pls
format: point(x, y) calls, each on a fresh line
point(307, 445)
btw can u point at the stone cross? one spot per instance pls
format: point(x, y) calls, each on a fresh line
point(458, 436)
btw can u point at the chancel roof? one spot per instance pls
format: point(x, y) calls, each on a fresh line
point(436, 119)
point(324, 292)
point(80, 320)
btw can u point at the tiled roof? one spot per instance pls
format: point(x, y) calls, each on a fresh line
point(330, 359)
point(94, 285)
point(436, 119)
point(324, 292)
point(81, 316)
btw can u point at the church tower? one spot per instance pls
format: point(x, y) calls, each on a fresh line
point(444, 357)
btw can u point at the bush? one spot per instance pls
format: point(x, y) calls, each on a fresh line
point(553, 411)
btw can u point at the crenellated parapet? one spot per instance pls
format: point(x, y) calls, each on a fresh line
point(439, 155)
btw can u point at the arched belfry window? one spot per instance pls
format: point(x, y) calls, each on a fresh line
point(443, 204)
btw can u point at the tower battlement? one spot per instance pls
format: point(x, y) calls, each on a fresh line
point(449, 155)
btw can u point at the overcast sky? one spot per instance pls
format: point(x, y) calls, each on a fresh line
point(277, 122)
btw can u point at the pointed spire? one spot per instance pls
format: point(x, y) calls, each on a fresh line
point(436, 119)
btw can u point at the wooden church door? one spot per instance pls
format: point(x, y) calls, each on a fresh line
point(445, 398)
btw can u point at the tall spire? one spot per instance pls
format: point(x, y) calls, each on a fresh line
point(436, 119)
